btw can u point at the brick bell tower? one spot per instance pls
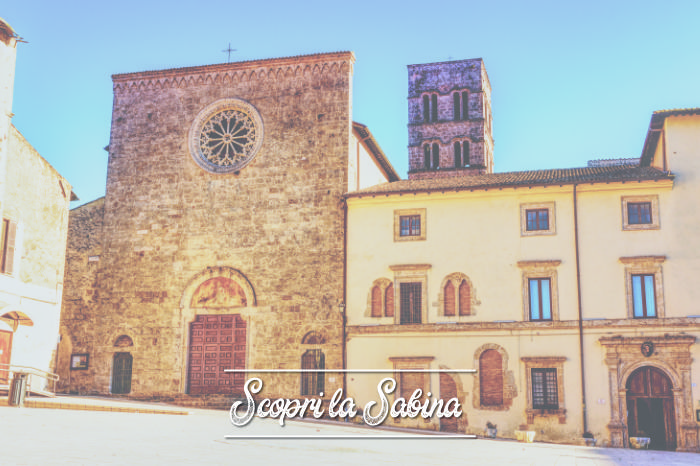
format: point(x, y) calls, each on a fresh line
point(449, 120)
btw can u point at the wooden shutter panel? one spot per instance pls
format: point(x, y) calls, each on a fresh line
point(411, 381)
point(449, 299)
point(376, 302)
point(491, 378)
point(8, 259)
point(389, 301)
point(465, 299)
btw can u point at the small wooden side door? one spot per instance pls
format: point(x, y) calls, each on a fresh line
point(5, 352)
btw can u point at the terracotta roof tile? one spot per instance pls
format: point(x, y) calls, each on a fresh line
point(520, 179)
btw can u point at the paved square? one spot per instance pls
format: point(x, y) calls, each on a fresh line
point(49, 436)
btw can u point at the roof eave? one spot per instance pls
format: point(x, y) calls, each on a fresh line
point(359, 194)
point(364, 135)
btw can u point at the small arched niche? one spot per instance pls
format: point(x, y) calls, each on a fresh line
point(123, 341)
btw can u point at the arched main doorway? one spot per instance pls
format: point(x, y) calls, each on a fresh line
point(214, 304)
point(650, 410)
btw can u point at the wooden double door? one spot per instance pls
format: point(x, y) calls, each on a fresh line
point(650, 411)
point(217, 343)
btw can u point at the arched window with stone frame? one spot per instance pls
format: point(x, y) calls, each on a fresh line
point(494, 386)
point(491, 378)
point(457, 296)
point(380, 301)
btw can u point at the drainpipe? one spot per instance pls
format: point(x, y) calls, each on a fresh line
point(580, 316)
point(343, 305)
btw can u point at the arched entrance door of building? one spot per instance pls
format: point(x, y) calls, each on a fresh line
point(121, 373)
point(650, 410)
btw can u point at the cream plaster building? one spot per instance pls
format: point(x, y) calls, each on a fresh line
point(34, 201)
point(569, 291)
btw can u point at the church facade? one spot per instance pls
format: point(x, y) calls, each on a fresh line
point(249, 223)
point(220, 241)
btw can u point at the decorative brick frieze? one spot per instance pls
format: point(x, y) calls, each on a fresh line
point(255, 72)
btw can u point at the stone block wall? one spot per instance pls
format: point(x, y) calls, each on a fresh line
point(81, 294)
point(36, 197)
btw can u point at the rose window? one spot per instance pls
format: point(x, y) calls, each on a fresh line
point(226, 136)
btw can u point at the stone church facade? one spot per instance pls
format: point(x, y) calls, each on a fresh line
point(220, 241)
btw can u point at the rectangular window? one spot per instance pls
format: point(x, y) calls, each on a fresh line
point(643, 295)
point(544, 388)
point(540, 299)
point(537, 219)
point(9, 234)
point(411, 305)
point(638, 213)
point(410, 225)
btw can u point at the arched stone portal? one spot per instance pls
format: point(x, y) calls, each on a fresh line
point(670, 356)
point(214, 306)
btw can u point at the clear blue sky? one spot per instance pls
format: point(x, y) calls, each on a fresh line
point(571, 81)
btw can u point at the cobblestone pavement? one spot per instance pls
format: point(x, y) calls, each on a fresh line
point(49, 436)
